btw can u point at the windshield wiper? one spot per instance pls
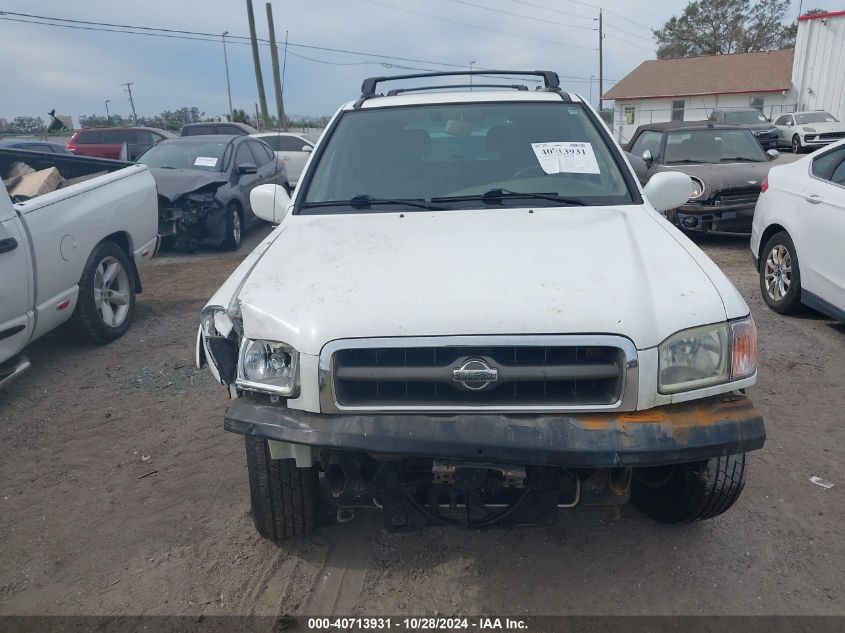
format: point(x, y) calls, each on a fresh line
point(685, 160)
point(494, 196)
point(740, 159)
point(365, 201)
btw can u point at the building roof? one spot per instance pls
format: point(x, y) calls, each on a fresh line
point(821, 16)
point(707, 75)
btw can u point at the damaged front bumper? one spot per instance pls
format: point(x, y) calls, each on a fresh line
point(733, 219)
point(192, 219)
point(691, 431)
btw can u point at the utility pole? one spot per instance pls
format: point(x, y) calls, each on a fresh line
point(257, 119)
point(274, 56)
point(108, 117)
point(601, 61)
point(284, 66)
point(228, 85)
point(256, 61)
point(471, 64)
point(128, 85)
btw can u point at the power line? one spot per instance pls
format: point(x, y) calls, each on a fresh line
point(616, 28)
point(586, 4)
point(616, 37)
point(524, 17)
point(475, 26)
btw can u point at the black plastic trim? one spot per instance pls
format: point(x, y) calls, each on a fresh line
point(7, 245)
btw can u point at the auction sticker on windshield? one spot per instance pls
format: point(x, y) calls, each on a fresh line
point(566, 158)
point(205, 161)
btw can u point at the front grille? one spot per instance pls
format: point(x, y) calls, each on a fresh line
point(526, 376)
point(831, 135)
point(765, 133)
point(744, 195)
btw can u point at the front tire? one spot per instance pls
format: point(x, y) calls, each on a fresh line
point(284, 498)
point(780, 274)
point(106, 304)
point(797, 148)
point(234, 228)
point(683, 493)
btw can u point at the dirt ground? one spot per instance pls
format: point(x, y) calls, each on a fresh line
point(120, 493)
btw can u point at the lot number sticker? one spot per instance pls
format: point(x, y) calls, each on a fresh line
point(205, 161)
point(566, 158)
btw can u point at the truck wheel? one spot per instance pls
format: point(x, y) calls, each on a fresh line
point(683, 493)
point(780, 275)
point(106, 303)
point(797, 148)
point(234, 228)
point(285, 499)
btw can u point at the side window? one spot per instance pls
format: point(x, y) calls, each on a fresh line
point(243, 155)
point(291, 144)
point(830, 166)
point(678, 110)
point(230, 129)
point(647, 141)
point(145, 137)
point(629, 113)
point(118, 137)
point(781, 120)
point(90, 137)
point(262, 157)
point(756, 103)
point(272, 141)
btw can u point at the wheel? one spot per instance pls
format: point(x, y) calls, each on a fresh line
point(683, 493)
point(796, 144)
point(106, 303)
point(780, 275)
point(234, 224)
point(285, 499)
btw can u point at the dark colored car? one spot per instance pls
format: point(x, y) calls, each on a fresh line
point(224, 127)
point(726, 164)
point(107, 142)
point(752, 120)
point(204, 184)
point(35, 146)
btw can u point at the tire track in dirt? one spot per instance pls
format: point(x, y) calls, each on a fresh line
point(338, 586)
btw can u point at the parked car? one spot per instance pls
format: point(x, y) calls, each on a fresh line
point(225, 128)
point(471, 314)
point(204, 184)
point(35, 146)
point(294, 149)
point(72, 254)
point(726, 164)
point(799, 232)
point(751, 119)
point(808, 130)
point(107, 142)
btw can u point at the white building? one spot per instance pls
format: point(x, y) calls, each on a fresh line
point(818, 72)
point(812, 77)
point(689, 88)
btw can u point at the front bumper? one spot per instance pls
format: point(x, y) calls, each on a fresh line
point(676, 433)
point(730, 218)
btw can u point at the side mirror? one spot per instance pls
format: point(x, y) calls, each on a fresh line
point(270, 203)
point(247, 168)
point(790, 123)
point(647, 157)
point(307, 148)
point(668, 190)
point(772, 154)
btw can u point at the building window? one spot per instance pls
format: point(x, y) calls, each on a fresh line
point(757, 102)
point(678, 110)
point(629, 113)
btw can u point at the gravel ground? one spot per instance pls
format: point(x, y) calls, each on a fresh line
point(120, 493)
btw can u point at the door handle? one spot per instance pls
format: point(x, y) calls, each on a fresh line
point(813, 198)
point(9, 244)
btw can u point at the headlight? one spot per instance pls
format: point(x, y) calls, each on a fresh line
point(706, 356)
point(697, 188)
point(268, 366)
point(811, 130)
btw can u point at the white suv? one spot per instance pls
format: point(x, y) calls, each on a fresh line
point(471, 314)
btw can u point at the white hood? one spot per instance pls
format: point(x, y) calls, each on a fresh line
point(616, 270)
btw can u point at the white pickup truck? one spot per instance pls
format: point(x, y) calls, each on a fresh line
point(472, 314)
point(73, 253)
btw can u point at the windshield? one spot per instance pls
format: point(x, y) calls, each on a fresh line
point(452, 154)
point(176, 154)
point(815, 117)
point(745, 116)
point(712, 146)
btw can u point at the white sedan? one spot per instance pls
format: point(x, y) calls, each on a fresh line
point(293, 149)
point(798, 234)
point(808, 130)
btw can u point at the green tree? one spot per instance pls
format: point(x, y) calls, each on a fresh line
point(26, 125)
point(713, 27)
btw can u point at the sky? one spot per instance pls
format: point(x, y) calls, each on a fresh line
point(75, 70)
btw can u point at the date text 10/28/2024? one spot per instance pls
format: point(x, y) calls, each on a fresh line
point(418, 624)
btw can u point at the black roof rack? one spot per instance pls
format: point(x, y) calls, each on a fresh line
point(399, 91)
point(368, 88)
